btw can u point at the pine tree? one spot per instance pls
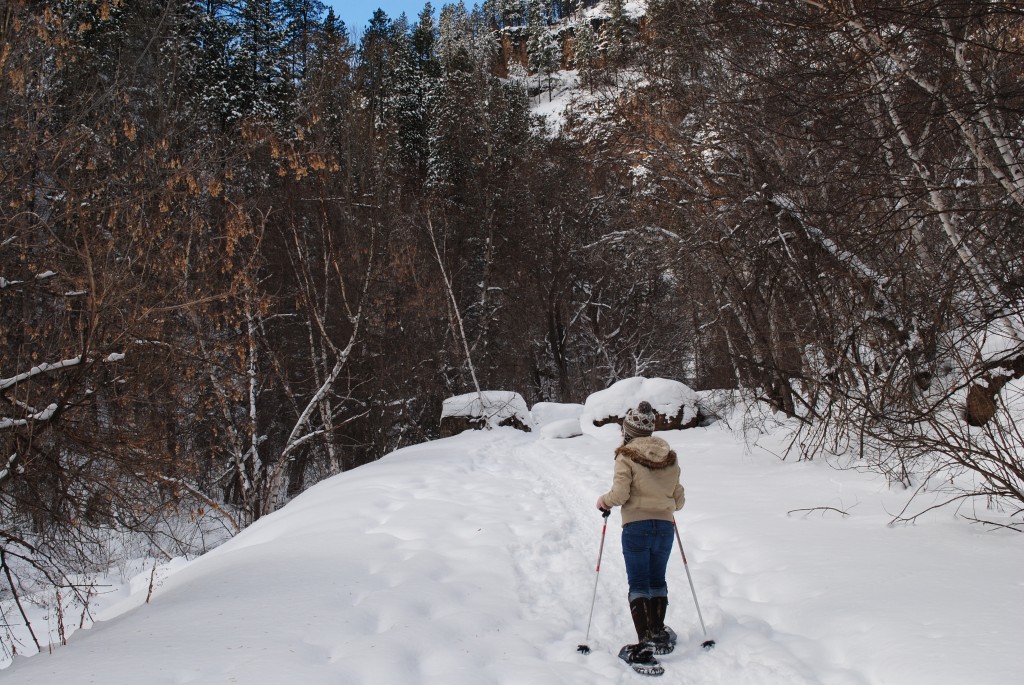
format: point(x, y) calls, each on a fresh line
point(301, 20)
point(585, 53)
point(453, 100)
point(214, 89)
point(544, 54)
point(375, 50)
point(618, 32)
point(509, 112)
point(454, 39)
point(327, 89)
point(403, 109)
point(260, 66)
point(424, 43)
point(563, 8)
point(485, 43)
point(512, 12)
point(537, 12)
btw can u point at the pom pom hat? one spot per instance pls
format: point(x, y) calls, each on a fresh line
point(639, 422)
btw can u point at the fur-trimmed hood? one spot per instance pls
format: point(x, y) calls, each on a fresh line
point(646, 481)
point(652, 452)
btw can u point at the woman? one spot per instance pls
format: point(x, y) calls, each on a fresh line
point(646, 486)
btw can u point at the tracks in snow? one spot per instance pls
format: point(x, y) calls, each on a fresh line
point(557, 536)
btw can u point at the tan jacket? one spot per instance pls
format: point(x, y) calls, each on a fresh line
point(646, 481)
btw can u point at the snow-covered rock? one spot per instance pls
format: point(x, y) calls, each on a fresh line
point(557, 421)
point(675, 403)
point(490, 408)
point(547, 412)
point(561, 430)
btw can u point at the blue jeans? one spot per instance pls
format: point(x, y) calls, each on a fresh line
point(646, 546)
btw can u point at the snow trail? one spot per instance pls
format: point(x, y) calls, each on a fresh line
point(575, 473)
point(470, 561)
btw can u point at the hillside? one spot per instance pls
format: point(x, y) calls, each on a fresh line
point(470, 560)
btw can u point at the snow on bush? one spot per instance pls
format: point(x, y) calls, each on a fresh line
point(668, 397)
point(491, 408)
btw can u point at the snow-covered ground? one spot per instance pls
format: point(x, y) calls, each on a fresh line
point(471, 560)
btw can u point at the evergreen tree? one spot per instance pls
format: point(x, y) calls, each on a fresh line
point(454, 45)
point(537, 12)
point(585, 53)
point(213, 88)
point(327, 90)
point(512, 12)
point(333, 44)
point(403, 109)
point(424, 43)
point(618, 32)
point(375, 50)
point(301, 22)
point(561, 9)
point(261, 62)
point(543, 51)
point(485, 43)
point(458, 139)
point(509, 112)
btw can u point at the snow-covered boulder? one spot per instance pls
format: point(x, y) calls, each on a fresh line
point(557, 420)
point(675, 404)
point(547, 412)
point(490, 408)
point(559, 430)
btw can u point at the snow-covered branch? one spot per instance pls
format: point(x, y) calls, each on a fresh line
point(6, 383)
point(616, 237)
point(11, 467)
point(39, 417)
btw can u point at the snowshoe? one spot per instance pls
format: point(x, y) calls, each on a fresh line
point(641, 659)
point(663, 642)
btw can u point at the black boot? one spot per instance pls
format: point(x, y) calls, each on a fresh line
point(641, 656)
point(640, 609)
point(663, 638)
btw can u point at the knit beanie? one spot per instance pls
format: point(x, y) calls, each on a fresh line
point(639, 422)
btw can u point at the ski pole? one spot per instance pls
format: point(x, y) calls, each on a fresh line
point(584, 649)
point(708, 643)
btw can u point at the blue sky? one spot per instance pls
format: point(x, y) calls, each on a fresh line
point(356, 13)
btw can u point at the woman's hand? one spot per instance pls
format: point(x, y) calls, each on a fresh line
point(601, 505)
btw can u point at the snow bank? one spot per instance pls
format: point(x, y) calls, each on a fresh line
point(470, 561)
point(668, 397)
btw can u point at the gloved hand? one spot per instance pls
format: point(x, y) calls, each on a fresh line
point(601, 505)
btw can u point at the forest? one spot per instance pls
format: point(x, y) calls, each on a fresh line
point(244, 247)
